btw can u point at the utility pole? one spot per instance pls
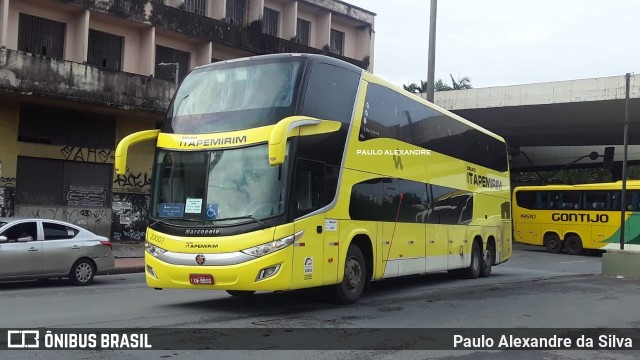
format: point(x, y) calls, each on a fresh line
point(624, 160)
point(432, 51)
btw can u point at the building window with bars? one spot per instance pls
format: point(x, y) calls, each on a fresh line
point(168, 55)
point(235, 12)
point(195, 6)
point(105, 50)
point(41, 36)
point(303, 31)
point(337, 42)
point(270, 22)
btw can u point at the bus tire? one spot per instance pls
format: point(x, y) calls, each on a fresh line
point(353, 283)
point(553, 243)
point(240, 293)
point(473, 271)
point(488, 259)
point(573, 245)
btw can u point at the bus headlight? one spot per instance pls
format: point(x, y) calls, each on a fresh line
point(268, 248)
point(153, 249)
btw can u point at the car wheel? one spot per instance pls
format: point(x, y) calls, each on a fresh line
point(573, 245)
point(352, 285)
point(82, 272)
point(240, 293)
point(553, 243)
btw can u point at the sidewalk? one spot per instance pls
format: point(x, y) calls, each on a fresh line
point(129, 257)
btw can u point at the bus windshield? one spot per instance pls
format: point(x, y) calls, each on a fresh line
point(234, 96)
point(221, 187)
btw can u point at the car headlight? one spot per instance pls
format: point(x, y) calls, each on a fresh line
point(268, 248)
point(153, 249)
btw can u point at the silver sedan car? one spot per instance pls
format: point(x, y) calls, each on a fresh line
point(42, 249)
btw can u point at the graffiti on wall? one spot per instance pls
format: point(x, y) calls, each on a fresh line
point(132, 183)
point(79, 195)
point(97, 220)
point(7, 181)
point(7, 201)
point(75, 153)
point(130, 216)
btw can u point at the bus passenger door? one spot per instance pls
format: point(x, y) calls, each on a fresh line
point(308, 252)
point(392, 246)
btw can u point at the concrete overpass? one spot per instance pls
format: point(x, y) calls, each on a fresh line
point(555, 123)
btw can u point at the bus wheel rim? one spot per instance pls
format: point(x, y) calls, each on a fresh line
point(354, 274)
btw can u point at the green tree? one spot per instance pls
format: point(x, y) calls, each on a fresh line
point(460, 84)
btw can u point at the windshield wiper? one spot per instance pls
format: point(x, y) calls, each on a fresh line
point(248, 217)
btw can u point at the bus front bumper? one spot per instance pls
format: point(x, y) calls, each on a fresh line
point(243, 276)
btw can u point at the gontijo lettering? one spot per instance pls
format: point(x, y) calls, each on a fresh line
point(565, 217)
point(186, 142)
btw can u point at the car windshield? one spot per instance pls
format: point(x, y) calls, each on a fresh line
point(219, 187)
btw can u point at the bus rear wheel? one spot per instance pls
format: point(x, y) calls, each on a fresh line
point(488, 260)
point(573, 245)
point(553, 243)
point(352, 285)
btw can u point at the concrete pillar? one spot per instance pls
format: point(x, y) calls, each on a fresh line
point(255, 9)
point(203, 56)
point(147, 51)
point(216, 9)
point(289, 20)
point(80, 43)
point(4, 20)
point(324, 30)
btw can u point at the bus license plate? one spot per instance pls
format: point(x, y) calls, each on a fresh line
point(201, 279)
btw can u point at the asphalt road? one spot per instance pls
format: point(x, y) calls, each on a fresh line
point(533, 290)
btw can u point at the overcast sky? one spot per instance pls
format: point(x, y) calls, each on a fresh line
point(506, 42)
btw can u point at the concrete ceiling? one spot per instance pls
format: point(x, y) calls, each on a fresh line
point(555, 123)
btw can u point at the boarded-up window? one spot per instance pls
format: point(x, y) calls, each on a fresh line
point(56, 182)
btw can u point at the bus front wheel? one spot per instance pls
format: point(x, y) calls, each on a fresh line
point(553, 243)
point(352, 285)
point(573, 245)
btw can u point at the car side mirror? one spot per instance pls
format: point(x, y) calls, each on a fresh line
point(25, 239)
point(3, 239)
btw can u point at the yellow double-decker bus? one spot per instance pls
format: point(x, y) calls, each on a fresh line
point(291, 171)
point(576, 217)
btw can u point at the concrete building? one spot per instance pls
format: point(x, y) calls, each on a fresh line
point(76, 76)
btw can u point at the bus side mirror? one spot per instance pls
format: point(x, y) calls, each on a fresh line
point(607, 163)
point(120, 162)
point(280, 133)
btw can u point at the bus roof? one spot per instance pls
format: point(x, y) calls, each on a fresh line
point(312, 57)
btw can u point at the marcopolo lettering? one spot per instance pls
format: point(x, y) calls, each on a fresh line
point(213, 141)
point(593, 218)
point(202, 232)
